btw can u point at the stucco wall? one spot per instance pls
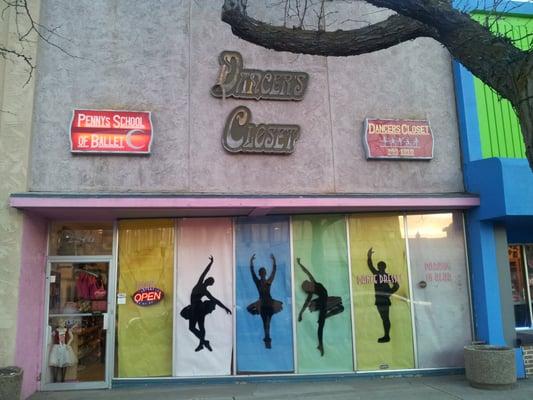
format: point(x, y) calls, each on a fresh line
point(30, 308)
point(162, 56)
point(16, 101)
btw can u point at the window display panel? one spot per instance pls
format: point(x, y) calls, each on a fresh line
point(263, 295)
point(145, 298)
point(529, 270)
point(322, 294)
point(519, 287)
point(382, 320)
point(80, 239)
point(204, 325)
point(76, 337)
point(440, 288)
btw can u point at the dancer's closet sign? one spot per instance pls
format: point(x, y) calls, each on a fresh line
point(241, 136)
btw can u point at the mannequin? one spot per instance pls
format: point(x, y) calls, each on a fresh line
point(61, 354)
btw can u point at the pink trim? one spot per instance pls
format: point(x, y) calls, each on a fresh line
point(30, 307)
point(108, 208)
point(230, 202)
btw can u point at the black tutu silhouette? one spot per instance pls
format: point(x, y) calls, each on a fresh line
point(196, 312)
point(266, 306)
point(333, 302)
point(327, 306)
point(204, 307)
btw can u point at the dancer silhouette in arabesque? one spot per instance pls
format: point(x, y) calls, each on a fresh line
point(266, 306)
point(383, 293)
point(198, 309)
point(327, 306)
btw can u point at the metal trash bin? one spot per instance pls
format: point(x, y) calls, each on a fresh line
point(10, 383)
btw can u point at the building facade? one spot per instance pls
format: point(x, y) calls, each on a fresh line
point(201, 207)
point(16, 103)
point(500, 231)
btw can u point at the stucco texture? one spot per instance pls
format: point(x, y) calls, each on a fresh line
point(162, 57)
point(16, 100)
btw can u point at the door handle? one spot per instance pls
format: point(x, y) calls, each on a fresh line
point(105, 321)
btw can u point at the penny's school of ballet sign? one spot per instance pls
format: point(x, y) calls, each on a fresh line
point(110, 131)
point(240, 135)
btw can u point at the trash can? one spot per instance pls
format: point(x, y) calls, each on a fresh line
point(490, 367)
point(10, 383)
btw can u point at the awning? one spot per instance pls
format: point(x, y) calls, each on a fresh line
point(104, 206)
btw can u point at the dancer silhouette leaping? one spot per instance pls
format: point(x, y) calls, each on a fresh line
point(198, 309)
point(327, 306)
point(266, 306)
point(383, 293)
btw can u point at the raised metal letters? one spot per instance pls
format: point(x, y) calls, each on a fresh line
point(240, 135)
point(235, 81)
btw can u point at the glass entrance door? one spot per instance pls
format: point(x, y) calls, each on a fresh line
point(77, 337)
point(440, 288)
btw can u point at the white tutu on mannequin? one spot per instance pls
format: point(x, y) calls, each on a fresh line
point(62, 355)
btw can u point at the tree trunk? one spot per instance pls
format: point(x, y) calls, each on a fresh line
point(524, 108)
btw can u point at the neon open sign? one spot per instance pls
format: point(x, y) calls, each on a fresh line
point(147, 296)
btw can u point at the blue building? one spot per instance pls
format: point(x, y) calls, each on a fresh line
point(500, 230)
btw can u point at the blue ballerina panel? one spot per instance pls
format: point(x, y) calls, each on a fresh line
point(263, 295)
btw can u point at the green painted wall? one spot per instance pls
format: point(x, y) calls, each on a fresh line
point(498, 123)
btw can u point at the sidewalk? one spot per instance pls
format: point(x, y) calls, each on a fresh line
point(426, 388)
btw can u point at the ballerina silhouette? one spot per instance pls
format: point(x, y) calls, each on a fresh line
point(198, 309)
point(383, 293)
point(327, 306)
point(266, 306)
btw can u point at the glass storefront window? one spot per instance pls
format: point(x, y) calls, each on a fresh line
point(80, 239)
point(519, 287)
point(203, 344)
point(322, 294)
point(529, 266)
point(440, 296)
point(145, 326)
point(381, 295)
point(361, 292)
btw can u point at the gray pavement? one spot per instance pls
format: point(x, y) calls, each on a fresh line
point(357, 388)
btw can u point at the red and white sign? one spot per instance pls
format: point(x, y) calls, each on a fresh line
point(147, 296)
point(106, 131)
point(398, 139)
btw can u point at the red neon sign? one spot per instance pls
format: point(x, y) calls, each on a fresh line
point(147, 296)
point(105, 131)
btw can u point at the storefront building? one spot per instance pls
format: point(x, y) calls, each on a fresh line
point(500, 230)
point(16, 102)
point(199, 207)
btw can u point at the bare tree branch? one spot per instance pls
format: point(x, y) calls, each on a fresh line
point(5, 53)
point(394, 30)
point(28, 30)
point(467, 41)
point(491, 57)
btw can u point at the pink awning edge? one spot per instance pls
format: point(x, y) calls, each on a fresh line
point(110, 206)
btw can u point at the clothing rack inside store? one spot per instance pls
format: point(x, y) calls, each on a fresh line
point(95, 273)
